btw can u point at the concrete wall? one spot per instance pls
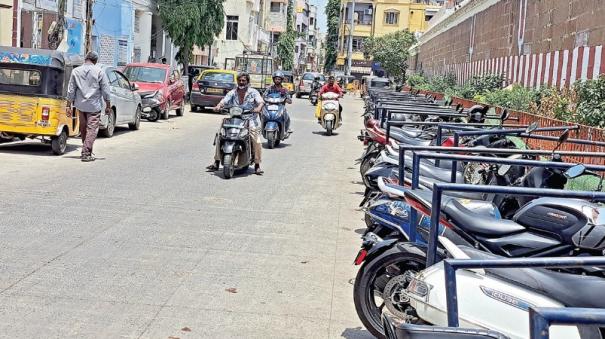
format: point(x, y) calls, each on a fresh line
point(113, 31)
point(533, 43)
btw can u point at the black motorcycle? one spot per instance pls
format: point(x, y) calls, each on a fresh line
point(234, 140)
point(314, 94)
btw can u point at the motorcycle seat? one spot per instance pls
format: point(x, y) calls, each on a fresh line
point(394, 190)
point(425, 197)
point(404, 139)
point(477, 223)
point(572, 290)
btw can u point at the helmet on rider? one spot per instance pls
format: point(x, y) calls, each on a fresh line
point(278, 74)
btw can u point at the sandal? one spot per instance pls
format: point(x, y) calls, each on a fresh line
point(213, 168)
point(258, 171)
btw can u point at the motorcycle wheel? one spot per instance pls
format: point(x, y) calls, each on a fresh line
point(367, 163)
point(329, 128)
point(228, 169)
point(271, 140)
point(153, 116)
point(371, 280)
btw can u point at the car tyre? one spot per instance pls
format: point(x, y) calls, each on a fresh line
point(166, 113)
point(136, 124)
point(59, 143)
point(111, 125)
point(181, 110)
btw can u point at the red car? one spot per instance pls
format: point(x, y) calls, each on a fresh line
point(161, 88)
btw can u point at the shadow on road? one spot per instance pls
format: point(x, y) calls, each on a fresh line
point(356, 333)
point(35, 148)
point(323, 133)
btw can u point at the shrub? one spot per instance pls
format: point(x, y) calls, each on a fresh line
point(417, 81)
point(516, 98)
point(590, 109)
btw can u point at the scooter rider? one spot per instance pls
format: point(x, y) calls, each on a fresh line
point(333, 87)
point(247, 98)
point(278, 78)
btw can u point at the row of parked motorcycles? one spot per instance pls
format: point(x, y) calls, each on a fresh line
point(468, 232)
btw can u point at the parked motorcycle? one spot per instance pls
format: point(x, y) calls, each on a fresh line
point(234, 139)
point(314, 93)
point(273, 120)
point(330, 112)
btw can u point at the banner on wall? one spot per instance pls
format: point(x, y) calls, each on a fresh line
point(74, 36)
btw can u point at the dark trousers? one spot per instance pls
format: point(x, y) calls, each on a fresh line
point(89, 127)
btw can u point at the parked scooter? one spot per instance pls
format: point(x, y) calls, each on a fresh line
point(330, 112)
point(273, 120)
point(234, 139)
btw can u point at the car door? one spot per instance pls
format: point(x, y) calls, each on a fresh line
point(128, 96)
point(119, 97)
point(176, 89)
point(114, 98)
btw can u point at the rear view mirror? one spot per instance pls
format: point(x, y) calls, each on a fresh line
point(575, 171)
point(502, 170)
point(563, 138)
point(505, 114)
point(532, 127)
point(134, 87)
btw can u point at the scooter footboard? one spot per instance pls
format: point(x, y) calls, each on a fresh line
point(271, 126)
point(409, 331)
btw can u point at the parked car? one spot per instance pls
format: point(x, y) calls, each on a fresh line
point(210, 88)
point(161, 89)
point(192, 75)
point(304, 86)
point(125, 103)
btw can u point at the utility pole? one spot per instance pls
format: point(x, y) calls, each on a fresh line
point(350, 59)
point(88, 38)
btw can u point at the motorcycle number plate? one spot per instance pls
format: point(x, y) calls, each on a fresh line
point(272, 107)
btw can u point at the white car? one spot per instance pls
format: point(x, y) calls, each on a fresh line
point(125, 103)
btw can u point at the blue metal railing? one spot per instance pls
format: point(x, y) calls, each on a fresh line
point(540, 319)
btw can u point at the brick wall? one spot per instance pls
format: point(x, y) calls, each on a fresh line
point(531, 42)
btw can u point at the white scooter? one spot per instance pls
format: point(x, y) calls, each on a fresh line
point(490, 299)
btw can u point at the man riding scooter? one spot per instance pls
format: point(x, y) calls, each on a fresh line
point(247, 98)
point(278, 78)
point(332, 87)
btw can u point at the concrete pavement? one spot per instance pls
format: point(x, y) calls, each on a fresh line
point(143, 243)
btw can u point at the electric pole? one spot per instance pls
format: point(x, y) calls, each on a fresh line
point(88, 37)
point(350, 59)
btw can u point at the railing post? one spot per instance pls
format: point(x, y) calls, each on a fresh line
point(451, 294)
point(431, 257)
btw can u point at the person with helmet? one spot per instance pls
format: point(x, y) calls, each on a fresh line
point(250, 99)
point(278, 78)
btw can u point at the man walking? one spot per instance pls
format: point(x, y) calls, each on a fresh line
point(88, 87)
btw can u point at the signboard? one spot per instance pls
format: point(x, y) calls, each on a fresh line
point(122, 52)
point(74, 36)
point(361, 63)
point(25, 58)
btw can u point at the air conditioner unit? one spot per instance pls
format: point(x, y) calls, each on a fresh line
point(368, 11)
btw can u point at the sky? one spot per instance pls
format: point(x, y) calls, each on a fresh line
point(321, 13)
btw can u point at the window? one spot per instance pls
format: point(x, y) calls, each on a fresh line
point(20, 77)
point(311, 20)
point(113, 78)
point(296, 49)
point(137, 21)
point(122, 81)
point(391, 17)
point(275, 7)
point(357, 44)
point(232, 23)
point(428, 17)
point(218, 77)
point(145, 74)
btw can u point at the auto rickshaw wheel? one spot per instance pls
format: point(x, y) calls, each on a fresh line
point(59, 143)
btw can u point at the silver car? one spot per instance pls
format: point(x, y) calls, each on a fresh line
point(125, 103)
point(304, 86)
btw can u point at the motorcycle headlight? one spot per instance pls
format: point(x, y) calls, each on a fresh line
point(243, 132)
point(329, 106)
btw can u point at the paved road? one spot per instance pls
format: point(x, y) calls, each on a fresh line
point(143, 243)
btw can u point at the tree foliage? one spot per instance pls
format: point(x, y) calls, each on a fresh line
point(286, 42)
point(392, 52)
point(191, 22)
point(333, 15)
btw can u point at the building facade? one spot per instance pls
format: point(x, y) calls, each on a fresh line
point(6, 22)
point(377, 18)
point(243, 32)
point(276, 20)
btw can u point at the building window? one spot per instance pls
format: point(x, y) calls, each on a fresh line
point(137, 21)
point(357, 44)
point(428, 17)
point(391, 17)
point(232, 23)
point(311, 20)
point(296, 49)
point(275, 7)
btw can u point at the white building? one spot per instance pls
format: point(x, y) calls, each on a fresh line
point(243, 31)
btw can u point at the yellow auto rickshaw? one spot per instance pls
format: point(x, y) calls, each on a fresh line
point(288, 82)
point(33, 89)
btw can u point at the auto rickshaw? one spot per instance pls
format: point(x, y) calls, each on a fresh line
point(288, 82)
point(33, 90)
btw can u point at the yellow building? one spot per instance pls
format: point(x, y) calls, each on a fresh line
point(377, 18)
point(6, 22)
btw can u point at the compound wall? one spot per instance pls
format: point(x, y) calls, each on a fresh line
point(529, 42)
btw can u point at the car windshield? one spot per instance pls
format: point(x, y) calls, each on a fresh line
point(222, 77)
point(379, 84)
point(310, 76)
point(19, 77)
point(145, 74)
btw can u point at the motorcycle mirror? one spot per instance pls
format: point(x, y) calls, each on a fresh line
point(575, 171)
point(532, 127)
point(505, 114)
point(503, 170)
point(562, 139)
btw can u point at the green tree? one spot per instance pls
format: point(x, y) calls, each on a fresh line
point(392, 52)
point(286, 42)
point(191, 22)
point(333, 15)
